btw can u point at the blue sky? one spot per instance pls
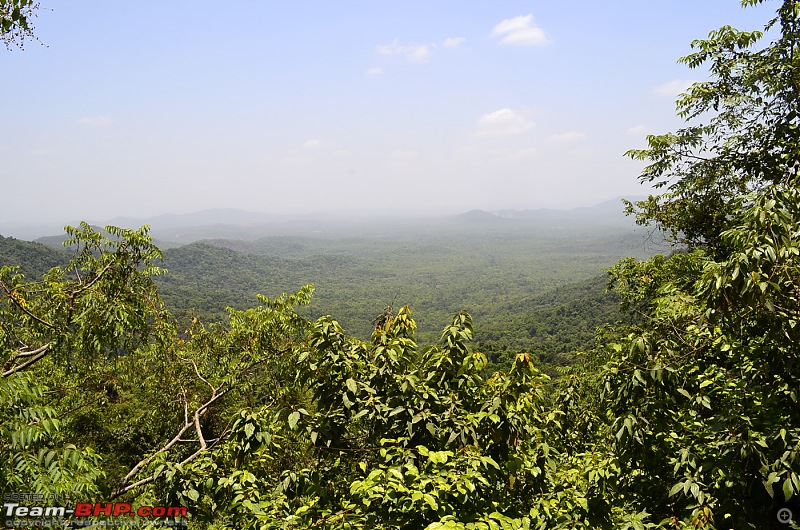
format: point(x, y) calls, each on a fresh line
point(437, 107)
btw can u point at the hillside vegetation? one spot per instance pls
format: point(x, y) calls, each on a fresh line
point(533, 284)
point(496, 273)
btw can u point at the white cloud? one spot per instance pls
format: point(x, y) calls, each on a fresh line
point(503, 122)
point(412, 52)
point(407, 154)
point(567, 137)
point(673, 88)
point(375, 70)
point(312, 144)
point(95, 121)
point(315, 148)
point(638, 130)
point(453, 42)
point(523, 154)
point(520, 31)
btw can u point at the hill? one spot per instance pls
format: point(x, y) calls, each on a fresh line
point(508, 275)
point(34, 259)
point(172, 230)
point(531, 279)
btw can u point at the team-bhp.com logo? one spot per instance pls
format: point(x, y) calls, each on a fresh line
point(85, 514)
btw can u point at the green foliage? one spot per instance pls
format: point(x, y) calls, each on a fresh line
point(270, 419)
point(685, 416)
point(750, 137)
point(554, 324)
point(392, 436)
point(102, 312)
point(32, 455)
point(503, 275)
point(120, 377)
point(703, 386)
point(33, 259)
point(705, 389)
point(16, 23)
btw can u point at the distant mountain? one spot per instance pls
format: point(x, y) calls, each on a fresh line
point(172, 230)
point(611, 210)
point(478, 216)
point(57, 241)
point(31, 231)
point(613, 206)
point(214, 216)
point(226, 223)
point(479, 261)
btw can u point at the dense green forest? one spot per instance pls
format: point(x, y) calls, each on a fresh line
point(532, 284)
point(547, 307)
point(33, 259)
point(684, 413)
point(498, 274)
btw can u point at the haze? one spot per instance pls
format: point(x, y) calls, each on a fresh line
point(144, 108)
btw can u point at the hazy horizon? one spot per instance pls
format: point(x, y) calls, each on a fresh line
point(419, 108)
point(34, 229)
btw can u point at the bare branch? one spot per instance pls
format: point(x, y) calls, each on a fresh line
point(32, 356)
point(31, 353)
point(203, 379)
point(23, 308)
point(96, 279)
point(199, 431)
point(124, 485)
point(148, 480)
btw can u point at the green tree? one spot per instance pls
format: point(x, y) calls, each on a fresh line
point(33, 454)
point(16, 21)
point(741, 133)
point(102, 394)
point(392, 436)
point(703, 388)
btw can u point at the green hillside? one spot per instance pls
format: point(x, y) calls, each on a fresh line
point(508, 277)
point(529, 285)
point(33, 259)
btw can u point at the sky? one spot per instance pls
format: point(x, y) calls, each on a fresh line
point(355, 107)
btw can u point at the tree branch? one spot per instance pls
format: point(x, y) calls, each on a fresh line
point(124, 485)
point(96, 279)
point(23, 309)
point(33, 355)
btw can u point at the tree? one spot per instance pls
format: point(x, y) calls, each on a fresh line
point(271, 421)
point(391, 436)
point(102, 394)
point(16, 21)
point(704, 387)
point(704, 390)
point(741, 134)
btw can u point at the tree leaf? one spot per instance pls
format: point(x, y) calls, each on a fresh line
point(294, 417)
point(788, 490)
